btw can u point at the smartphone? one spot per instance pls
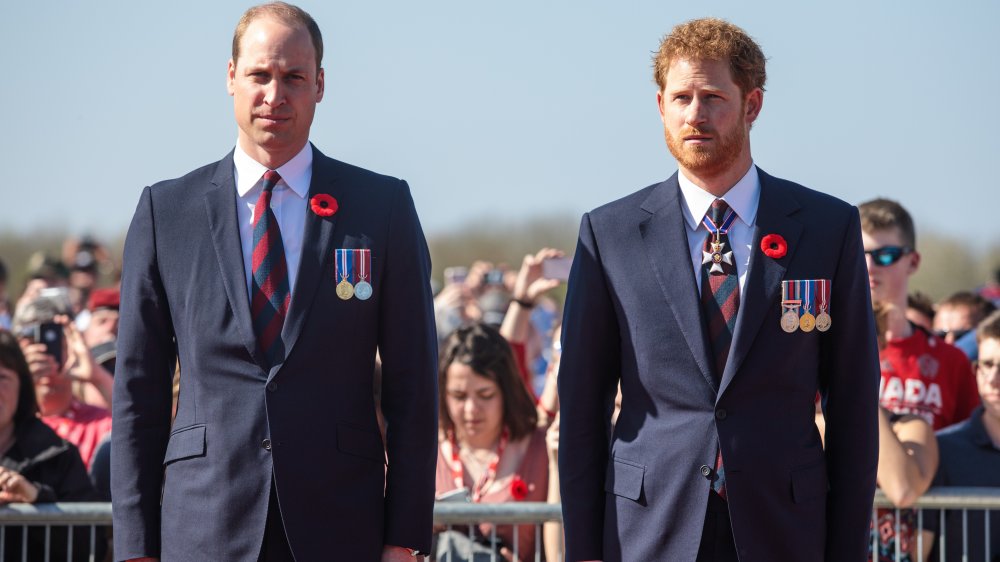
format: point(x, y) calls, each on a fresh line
point(51, 334)
point(557, 268)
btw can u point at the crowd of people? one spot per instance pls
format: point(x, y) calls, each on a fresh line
point(498, 328)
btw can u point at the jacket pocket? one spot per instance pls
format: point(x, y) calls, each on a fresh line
point(625, 479)
point(809, 483)
point(360, 443)
point(185, 443)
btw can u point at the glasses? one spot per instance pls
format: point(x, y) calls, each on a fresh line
point(957, 334)
point(888, 255)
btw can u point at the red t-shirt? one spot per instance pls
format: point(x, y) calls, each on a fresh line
point(82, 425)
point(925, 376)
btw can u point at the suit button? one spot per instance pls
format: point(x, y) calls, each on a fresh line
point(266, 444)
point(720, 414)
point(272, 386)
point(706, 471)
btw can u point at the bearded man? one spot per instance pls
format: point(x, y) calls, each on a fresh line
point(723, 300)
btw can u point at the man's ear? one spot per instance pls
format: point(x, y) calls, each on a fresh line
point(754, 101)
point(659, 104)
point(914, 262)
point(231, 77)
point(320, 84)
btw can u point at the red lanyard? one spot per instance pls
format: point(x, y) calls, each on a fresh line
point(479, 490)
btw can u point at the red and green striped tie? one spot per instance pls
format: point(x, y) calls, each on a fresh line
point(270, 294)
point(720, 300)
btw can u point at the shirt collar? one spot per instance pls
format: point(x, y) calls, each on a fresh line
point(296, 173)
point(742, 198)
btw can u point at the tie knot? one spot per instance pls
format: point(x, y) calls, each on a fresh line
point(271, 179)
point(717, 211)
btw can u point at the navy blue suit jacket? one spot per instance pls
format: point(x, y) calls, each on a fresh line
point(184, 295)
point(633, 315)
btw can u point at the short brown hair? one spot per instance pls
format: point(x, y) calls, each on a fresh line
point(989, 329)
point(288, 14)
point(713, 39)
point(488, 354)
point(885, 214)
point(921, 303)
point(980, 307)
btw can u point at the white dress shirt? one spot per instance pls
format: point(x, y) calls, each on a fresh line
point(288, 201)
point(743, 198)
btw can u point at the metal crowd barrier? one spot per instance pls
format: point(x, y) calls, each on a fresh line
point(17, 518)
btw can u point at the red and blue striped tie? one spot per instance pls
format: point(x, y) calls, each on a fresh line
point(270, 294)
point(720, 301)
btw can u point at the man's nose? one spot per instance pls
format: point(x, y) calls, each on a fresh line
point(695, 114)
point(274, 93)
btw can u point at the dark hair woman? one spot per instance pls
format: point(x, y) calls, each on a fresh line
point(36, 466)
point(490, 448)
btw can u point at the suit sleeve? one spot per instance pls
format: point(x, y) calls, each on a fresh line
point(849, 375)
point(142, 392)
point(588, 372)
point(408, 348)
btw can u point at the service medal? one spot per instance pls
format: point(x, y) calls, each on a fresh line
point(363, 259)
point(807, 322)
point(363, 290)
point(823, 322)
point(790, 321)
point(345, 290)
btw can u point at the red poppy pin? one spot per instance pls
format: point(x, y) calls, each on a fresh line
point(774, 246)
point(518, 488)
point(323, 205)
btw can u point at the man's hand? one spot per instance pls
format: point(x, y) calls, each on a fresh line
point(530, 283)
point(40, 363)
point(398, 554)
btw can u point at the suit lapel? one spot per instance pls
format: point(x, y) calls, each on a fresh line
point(317, 251)
point(764, 275)
point(664, 236)
point(220, 202)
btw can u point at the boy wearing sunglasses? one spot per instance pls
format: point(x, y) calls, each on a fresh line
point(921, 373)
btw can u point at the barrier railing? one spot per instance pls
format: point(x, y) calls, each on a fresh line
point(16, 519)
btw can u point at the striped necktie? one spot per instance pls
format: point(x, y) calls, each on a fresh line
point(720, 300)
point(270, 294)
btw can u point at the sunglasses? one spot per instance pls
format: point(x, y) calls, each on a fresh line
point(958, 334)
point(888, 255)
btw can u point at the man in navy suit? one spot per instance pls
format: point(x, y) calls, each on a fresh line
point(271, 277)
point(722, 300)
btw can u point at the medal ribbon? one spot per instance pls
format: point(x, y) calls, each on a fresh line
point(363, 259)
point(807, 302)
point(823, 295)
point(727, 222)
point(479, 490)
point(346, 259)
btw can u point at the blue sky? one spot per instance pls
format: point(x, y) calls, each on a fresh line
point(498, 111)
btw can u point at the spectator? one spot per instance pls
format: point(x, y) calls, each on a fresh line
point(82, 424)
point(529, 286)
point(958, 315)
point(490, 448)
point(921, 374)
point(907, 459)
point(920, 310)
point(101, 334)
point(4, 300)
point(956, 320)
point(36, 466)
point(970, 456)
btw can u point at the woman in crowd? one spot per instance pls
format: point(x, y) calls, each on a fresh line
point(490, 448)
point(36, 466)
